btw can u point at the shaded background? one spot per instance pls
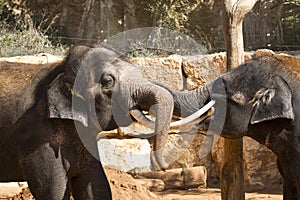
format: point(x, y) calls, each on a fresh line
point(271, 24)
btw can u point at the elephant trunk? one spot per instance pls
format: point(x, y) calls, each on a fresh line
point(188, 102)
point(160, 101)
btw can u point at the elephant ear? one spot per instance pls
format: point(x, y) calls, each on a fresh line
point(60, 106)
point(273, 103)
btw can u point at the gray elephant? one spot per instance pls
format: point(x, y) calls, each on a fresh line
point(48, 129)
point(259, 99)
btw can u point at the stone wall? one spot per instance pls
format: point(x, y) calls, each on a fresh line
point(185, 149)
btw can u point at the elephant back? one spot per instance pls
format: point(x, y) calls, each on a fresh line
point(18, 86)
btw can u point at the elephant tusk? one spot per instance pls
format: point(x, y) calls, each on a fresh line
point(192, 119)
point(188, 126)
point(185, 124)
point(194, 116)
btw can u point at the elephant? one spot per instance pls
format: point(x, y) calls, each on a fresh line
point(48, 128)
point(259, 99)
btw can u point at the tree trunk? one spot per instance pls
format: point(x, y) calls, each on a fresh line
point(101, 19)
point(232, 174)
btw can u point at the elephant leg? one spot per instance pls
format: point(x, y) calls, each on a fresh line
point(290, 192)
point(90, 183)
point(287, 193)
point(46, 174)
point(291, 180)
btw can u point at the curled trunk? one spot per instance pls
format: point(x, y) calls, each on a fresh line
point(159, 100)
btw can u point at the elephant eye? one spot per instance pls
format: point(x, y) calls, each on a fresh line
point(107, 81)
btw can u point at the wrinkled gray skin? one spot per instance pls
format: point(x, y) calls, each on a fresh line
point(39, 141)
point(263, 102)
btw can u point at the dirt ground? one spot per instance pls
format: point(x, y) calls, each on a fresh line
point(215, 194)
point(125, 187)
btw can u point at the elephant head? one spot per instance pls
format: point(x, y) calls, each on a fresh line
point(256, 92)
point(99, 89)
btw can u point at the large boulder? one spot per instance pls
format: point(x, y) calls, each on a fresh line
point(165, 70)
point(293, 62)
point(199, 70)
point(125, 154)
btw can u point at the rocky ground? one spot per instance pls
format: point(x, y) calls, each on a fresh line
point(125, 187)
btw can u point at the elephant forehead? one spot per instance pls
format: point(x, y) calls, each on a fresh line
point(102, 54)
point(128, 71)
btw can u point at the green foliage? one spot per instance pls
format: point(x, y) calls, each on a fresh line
point(183, 16)
point(202, 20)
point(291, 21)
point(3, 2)
point(172, 14)
point(25, 38)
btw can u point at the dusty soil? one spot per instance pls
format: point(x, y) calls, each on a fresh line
point(125, 187)
point(215, 194)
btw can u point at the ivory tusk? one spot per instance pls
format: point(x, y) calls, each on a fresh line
point(189, 126)
point(193, 116)
point(140, 117)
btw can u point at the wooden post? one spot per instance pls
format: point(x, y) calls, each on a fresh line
point(232, 174)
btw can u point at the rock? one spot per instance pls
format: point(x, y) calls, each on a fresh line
point(220, 60)
point(42, 58)
point(264, 52)
point(194, 177)
point(125, 154)
point(260, 165)
point(176, 150)
point(199, 70)
point(180, 178)
point(11, 189)
point(14, 184)
point(188, 150)
point(154, 185)
point(124, 186)
point(136, 129)
point(166, 70)
point(24, 195)
point(292, 62)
